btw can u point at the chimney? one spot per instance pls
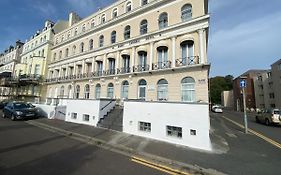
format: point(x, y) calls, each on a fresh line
point(73, 18)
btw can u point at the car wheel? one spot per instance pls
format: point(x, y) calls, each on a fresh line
point(267, 123)
point(257, 120)
point(3, 115)
point(13, 117)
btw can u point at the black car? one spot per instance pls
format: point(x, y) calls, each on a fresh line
point(19, 111)
point(3, 103)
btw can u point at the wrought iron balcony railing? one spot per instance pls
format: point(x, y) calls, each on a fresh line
point(186, 61)
point(141, 68)
point(161, 65)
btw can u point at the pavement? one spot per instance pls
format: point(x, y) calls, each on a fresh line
point(233, 151)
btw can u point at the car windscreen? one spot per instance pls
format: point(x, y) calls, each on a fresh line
point(20, 105)
point(276, 112)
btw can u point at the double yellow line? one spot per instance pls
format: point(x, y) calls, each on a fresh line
point(159, 167)
point(274, 143)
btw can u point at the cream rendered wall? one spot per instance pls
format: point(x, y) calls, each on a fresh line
point(187, 116)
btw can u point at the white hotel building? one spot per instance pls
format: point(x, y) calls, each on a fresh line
point(153, 50)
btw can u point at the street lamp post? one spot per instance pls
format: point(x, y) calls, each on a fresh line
point(243, 84)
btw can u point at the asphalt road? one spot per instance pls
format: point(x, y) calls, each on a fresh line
point(272, 132)
point(28, 150)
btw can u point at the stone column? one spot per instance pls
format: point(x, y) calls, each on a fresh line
point(117, 61)
point(151, 55)
point(104, 63)
point(83, 67)
point(173, 52)
point(93, 64)
point(202, 46)
point(133, 58)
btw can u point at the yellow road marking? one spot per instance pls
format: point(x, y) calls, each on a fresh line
point(278, 145)
point(158, 166)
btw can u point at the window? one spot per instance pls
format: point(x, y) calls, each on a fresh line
point(68, 34)
point(114, 13)
point(37, 70)
point(125, 90)
point(113, 37)
point(54, 56)
point(162, 57)
point(101, 41)
point(187, 48)
point(87, 92)
point(60, 54)
point(73, 50)
point(66, 52)
point(188, 89)
point(279, 66)
point(174, 131)
point(111, 65)
point(128, 7)
point(127, 32)
point(73, 115)
point(271, 95)
point(91, 44)
point(143, 2)
point(163, 20)
point(84, 28)
point(143, 27)
point(162, 89)
point(82, 47)
point(98, 90)
point(69, 93)
point(75, 32)
point(77, 92)
point(110, 90)
point(86, 117)
point(43, 53)
point(61, 91)
point(142, 60)
point(142, 89)
point(144, 126)
point(193, 132)
point(126, 63)
point(103, 19)
point(92, 23)
point(100, 67)
point(186, 12)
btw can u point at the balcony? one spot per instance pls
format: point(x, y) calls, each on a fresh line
point(141, 68)
point(124, 70)
point(187, 61)
point(110, 72)
point(161, 65)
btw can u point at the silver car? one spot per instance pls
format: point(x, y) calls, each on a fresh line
point(269, 117)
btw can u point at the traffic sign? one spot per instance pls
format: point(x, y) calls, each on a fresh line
point(243, 83)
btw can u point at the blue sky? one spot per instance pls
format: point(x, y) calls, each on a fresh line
point(243, 34)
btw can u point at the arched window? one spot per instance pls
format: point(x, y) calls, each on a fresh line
point(142, 89)
point(162, 89)
point(162, 53)
point(45, 38)
point(186, 12)
point(93, 23)
point(75, 32)
point(43, 53)
point(82, 47)
point(143, 27)
point(125, 90)
point(62, 92)
point(66, 52)
point(87, 91)
point(188, 89)
point(84, 28)
point(127, 32)
point(101, 41)
point(77, 92)
point(103, 19)
point(111, 65)
point(113, 37)
point(143, 2)
point(110, 90)
point(91, 44)
point(55, 56)
point(114, 13)
point(69, 92)
point(68, 34)
point(97, 91)
point(163, 20)
point(187, 49)
point(74, 50)
point(128, 6)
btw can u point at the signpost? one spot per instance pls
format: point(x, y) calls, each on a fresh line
point(243, 84)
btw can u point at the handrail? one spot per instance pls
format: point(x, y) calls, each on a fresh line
point(106, 105)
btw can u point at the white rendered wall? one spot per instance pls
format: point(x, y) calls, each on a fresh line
point(187, 116)
point(89, 107)
point(46, 110)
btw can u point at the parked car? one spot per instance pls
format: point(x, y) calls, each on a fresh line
point(217, 109)
point(3, 103)
point(269, 117)
point(19, 111)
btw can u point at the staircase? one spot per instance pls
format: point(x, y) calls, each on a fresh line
point(113, 120)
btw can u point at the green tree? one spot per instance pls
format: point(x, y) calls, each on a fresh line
point(219, 84)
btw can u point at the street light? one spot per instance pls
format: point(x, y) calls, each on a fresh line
point(243, 84)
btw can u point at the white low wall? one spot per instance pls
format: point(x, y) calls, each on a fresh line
point(88, 107)
point(187, 116)
point(46, 110)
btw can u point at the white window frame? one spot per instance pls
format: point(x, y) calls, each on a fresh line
point(144, 126)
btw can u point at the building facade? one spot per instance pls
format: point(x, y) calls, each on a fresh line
point(227, 99)
point(267, 87)
point(30, 72)
point(151, 50)
point(8, 59)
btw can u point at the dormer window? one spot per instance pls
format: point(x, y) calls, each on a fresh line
point(103, 19)
point(143, 2)
point(114, 13)
point(75, 32)
point(128, 6)
point(93, 23)
point(84, 28)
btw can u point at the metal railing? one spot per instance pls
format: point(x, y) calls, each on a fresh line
point(161, 65)
point(186, 61)
point(141, 68)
